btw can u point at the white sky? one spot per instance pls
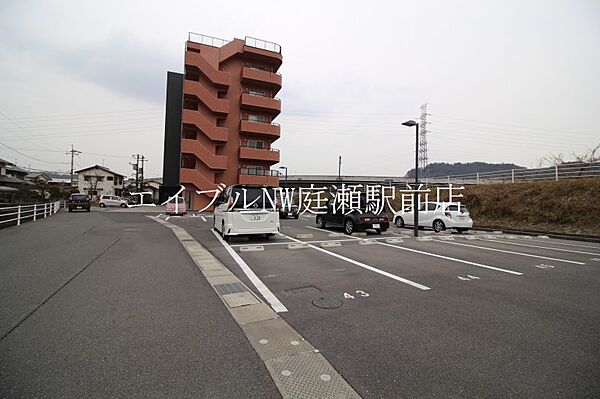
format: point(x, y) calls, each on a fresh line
point(506, 81)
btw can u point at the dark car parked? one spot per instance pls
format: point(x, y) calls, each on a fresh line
point(291, 211)
point(79, 201)
point(354, 221)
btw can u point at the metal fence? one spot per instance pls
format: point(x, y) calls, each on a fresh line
point(571, 170)
point(207, 40)
point(15, 215)
point(262, 44)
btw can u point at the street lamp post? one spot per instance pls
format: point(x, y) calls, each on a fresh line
point(412, 123)
point(284, 167)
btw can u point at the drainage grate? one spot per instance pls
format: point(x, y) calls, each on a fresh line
point(310, 290)
point(327, 303)
point(229, 288)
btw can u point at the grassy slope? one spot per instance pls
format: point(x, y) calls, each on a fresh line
point(566, 206)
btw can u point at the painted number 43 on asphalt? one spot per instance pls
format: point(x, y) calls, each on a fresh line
point(358, 293)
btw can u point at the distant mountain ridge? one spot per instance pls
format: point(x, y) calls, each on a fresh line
point(438, 169)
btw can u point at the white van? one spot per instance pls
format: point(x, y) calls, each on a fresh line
point(245, 210)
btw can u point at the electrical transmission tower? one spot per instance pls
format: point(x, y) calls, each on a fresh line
point(423, 159)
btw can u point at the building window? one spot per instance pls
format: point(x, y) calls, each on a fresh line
point(260, 67)
point(109, 178)
point(188, 162)
point(189, 132)
point(258, 144)
point(259, 93)
point(190, 102)
point(255, 170)
point(257, 118)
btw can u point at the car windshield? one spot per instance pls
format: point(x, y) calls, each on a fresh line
point(79, 197)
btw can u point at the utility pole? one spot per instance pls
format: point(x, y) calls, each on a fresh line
point(423, 158)
point(73, 152)
point(142, 173)
point(340, 167)
point(136, 167)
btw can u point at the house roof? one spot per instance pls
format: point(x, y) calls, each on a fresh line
point(14, 168)
point(104, 168)
point(37, 174)
point(10, 179)
point(4, 161)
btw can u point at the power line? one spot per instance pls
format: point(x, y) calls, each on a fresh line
point(30, 157)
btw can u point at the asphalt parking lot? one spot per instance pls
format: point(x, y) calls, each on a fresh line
point(445, 315)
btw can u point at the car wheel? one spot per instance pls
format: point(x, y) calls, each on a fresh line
point(123, 206)
point(349, 226)
point(88, 209)
point(378, 231)
point(320, 222)
point(101, 205)
point(225, 236)
point(269, 235)
point(438, 226)
point(70, 210)
point(297, 216)
point(399, 222)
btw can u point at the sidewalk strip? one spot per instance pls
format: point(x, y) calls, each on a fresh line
point(371, 268)
point(295, 365)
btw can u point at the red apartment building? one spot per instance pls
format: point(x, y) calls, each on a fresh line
point(220, 116)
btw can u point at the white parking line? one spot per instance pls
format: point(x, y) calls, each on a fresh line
point(203, 218)
point(569, 245)
point(371, 268)
point(511, 252)
point(539, 246)
point(260, 286)
point(453, 259)
point(351, 239)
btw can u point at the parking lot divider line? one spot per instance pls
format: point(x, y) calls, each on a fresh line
point(567, 244)
point(364, 266)
point(541, 247)
point(453, 259)
point(277, 306)
point(511, 252)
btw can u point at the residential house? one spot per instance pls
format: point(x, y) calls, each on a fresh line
point(99, 180)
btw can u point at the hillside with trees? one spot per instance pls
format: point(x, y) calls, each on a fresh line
point(459, 168)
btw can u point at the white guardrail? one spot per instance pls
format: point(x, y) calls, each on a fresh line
point(570, 170)
point(24, 213)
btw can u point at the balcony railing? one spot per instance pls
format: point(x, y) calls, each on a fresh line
point(259, 172)
point(207, 40)
point(262, 44)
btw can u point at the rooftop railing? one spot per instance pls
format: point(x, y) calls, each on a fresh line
point(207, 40)
point(263, 44)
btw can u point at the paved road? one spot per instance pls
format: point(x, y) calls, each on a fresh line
point(485, 317)
point(107, 304)
point(503, 317)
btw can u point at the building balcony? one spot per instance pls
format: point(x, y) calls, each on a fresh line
point(259, 154)
point(261, 177)
point(265, 128)
point(261, 104)
point(263, 78)
point(205, 96)
point(205, 126)
point(213, 161)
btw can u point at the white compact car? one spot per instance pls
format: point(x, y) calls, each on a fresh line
point(437, 215)
point(112, 200)
point(245, 210)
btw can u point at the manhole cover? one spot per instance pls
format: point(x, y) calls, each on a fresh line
point(327, 303)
